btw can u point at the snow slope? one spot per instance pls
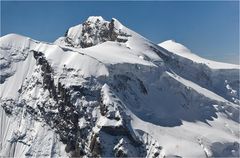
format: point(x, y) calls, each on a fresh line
point(181, 50)
point(104, 90)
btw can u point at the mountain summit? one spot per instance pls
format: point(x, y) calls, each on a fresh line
point(103, 90)
point(93, 31)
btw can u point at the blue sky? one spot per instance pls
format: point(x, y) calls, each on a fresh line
point(210, 29)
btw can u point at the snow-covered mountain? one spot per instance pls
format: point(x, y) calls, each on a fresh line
point(104, 90)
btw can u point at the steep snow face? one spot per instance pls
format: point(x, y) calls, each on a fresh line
point(22, 136)
point(103, 91)
point(16, 63)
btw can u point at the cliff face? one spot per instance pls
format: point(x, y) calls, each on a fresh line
point(103, 90)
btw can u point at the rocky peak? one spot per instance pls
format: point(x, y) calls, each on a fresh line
point(93, 31)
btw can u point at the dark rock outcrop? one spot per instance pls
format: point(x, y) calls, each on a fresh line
point(96, 32)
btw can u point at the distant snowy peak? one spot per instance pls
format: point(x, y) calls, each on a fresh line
point(175, 47)
point(93, 31)
point(181, 50)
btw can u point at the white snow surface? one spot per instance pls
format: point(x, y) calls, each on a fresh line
point(190, 111)
point(183, 51)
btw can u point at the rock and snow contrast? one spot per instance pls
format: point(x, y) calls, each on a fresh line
point(103, 90)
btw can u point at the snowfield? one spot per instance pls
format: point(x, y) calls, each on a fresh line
point(103, 90)
point(181, 50)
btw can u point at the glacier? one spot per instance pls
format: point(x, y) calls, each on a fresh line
point(103, 90)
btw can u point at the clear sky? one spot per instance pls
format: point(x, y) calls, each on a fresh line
point(210, 29)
